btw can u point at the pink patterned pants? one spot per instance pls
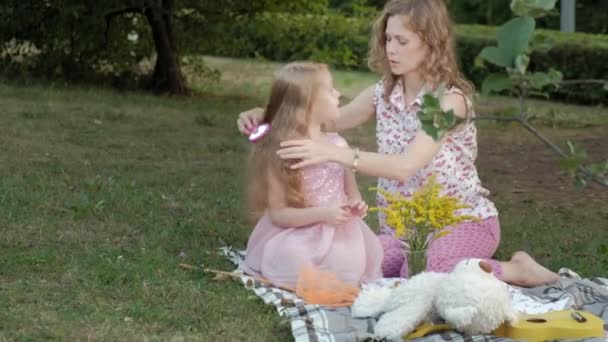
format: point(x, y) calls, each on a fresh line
point(466, 240)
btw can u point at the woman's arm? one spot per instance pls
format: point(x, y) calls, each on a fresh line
point(249, 119)
point(422, 150)
point(358, 111)
point(352, 115)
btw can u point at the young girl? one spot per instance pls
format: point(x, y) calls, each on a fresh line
point(312, 215)
point(412, 46)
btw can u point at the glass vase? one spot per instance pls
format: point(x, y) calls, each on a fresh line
point(416, 262)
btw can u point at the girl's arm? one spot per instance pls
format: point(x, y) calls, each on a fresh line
point(287, 217)
point(356, 205)
point(355, 202)
point(350, 181)
point(350, 186)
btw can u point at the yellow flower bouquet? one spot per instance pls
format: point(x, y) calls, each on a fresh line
point(421, 219)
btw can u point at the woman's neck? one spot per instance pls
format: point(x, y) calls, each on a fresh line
point(413, 84)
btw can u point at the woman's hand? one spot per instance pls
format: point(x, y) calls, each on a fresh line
point(249, 120)
point(310, 152)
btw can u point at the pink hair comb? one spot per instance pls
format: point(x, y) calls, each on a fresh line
point(259, 132)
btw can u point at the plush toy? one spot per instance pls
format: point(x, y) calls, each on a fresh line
point(472, 300)
point(469, 299)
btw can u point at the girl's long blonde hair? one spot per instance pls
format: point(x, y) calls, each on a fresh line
point(431, 21)
point(288, 112)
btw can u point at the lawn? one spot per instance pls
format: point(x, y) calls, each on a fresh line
point(104, 193)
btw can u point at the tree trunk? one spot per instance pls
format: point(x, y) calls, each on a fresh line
point(167, 76)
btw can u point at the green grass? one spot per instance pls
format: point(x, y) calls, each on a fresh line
point(252, 79)
point(104, 193)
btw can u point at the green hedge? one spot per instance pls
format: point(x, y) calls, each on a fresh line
point(343, 42)
point(334, 39)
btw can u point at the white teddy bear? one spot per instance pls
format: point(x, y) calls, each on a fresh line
point(470, 299)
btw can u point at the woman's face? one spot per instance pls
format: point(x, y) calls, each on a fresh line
point(405, 49)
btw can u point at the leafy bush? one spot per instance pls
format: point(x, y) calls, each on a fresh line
point(62, 40)
point(343, 42)
point(576, 55)
point(330, 38)
point(590, 14)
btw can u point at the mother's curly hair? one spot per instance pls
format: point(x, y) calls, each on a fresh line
point(431, 21)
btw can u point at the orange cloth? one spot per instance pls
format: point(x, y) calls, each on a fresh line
point(324, 288)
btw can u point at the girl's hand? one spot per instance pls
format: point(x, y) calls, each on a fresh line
point(358, 208)
point(337, 215)
point(249, 120)
point(310, 152)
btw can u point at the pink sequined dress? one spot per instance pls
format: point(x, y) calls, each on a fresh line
point(350, 251)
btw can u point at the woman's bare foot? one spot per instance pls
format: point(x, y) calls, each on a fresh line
point(524, 271)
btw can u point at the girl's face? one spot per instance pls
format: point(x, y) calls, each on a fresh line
point(325, 105)
point(405, 49)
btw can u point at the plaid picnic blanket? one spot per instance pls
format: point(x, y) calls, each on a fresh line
point(314, 323)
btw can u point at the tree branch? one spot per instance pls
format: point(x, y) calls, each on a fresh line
point(523, 120)
point(580, 169)
point(496, 118)
point(540, 136)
